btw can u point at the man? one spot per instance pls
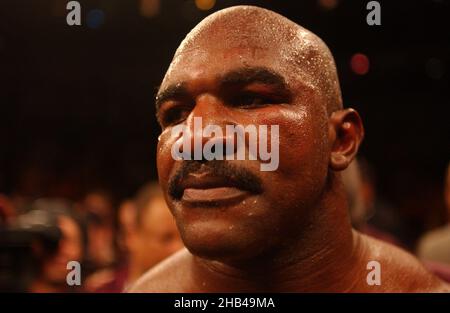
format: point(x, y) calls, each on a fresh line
point(248, 230)
point(361, 199)
point(97, 207)
point(150, 235)
point(59, 238)
point(434, 246)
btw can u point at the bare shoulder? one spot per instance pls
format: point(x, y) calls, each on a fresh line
point(171, 275)
point(400, 270)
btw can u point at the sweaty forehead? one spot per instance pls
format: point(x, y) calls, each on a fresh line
point(246, 36)
point(241, 26)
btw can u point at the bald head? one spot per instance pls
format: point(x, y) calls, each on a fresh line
point(252, 32)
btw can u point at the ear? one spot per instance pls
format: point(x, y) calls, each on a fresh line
point(345, 133)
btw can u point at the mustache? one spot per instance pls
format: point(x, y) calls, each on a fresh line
point(240, 177)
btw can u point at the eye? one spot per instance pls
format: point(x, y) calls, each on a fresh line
point(173, 115)
point(249, 100)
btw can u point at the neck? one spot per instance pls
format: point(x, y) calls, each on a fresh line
point(322, 258)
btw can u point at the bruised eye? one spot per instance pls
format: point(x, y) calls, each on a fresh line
point(174, 115)
point(249, 100)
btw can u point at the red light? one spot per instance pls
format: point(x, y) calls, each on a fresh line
point(360, 64)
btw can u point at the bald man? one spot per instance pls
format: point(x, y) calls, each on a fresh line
point(248, 230)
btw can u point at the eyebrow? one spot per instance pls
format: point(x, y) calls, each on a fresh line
point(174, 91)
point(241, 76)
point(249, 75)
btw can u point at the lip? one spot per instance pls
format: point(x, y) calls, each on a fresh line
point(213, 196)
point(204, 189)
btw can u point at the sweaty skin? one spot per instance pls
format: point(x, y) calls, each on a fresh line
point(282, 231)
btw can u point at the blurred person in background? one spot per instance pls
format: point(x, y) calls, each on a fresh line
point(97, 208)
point(361, 197)
point(126, 218)
point(52, 236)
point(434, 247)
point(149, 236)
point(126, 215)
point(7, 210)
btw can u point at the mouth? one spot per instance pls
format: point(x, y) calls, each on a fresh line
point(205, 189)
point(213, 196)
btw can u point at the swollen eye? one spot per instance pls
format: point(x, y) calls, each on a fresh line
point(175, 116)
point(251, 100)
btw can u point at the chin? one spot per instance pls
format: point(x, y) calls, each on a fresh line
point(220, 243)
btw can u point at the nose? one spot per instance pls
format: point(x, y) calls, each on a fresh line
point(206, 130)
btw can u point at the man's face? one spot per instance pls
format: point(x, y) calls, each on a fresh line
point(156, 236)
point(252, 84)
point(69, 249)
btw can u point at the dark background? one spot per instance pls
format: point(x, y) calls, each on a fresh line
point(77, 110)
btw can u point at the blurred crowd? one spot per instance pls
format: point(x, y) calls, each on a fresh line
point(113, 245)
point(374, 216)
point(117, 242)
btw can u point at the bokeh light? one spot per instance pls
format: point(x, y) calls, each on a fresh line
point(360, 64)
point(205, 4)
point(149, 8)
point(95, 18)
point(328, 4)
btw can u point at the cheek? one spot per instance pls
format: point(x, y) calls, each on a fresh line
point(164, 158)
point(302, 145)
point(301, 142)
point(302, 155)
